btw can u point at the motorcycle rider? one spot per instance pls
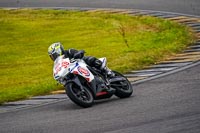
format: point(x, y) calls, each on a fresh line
point(57, 49)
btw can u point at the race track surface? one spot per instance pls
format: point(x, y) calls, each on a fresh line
point(166, 105)
point(181, 6)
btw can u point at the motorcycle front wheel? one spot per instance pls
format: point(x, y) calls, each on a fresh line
point(123, 88)
point(83, 98)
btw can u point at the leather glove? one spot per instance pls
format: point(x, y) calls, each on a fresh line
point(79, 54)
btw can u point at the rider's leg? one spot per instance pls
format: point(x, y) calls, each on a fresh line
point(94, 62)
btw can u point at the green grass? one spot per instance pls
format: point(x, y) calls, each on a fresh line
point(128, 42)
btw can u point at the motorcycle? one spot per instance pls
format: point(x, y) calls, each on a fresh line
point(84, 84)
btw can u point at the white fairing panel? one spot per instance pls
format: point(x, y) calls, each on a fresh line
point(60, 68)
point(63, 66)
point(81, 69)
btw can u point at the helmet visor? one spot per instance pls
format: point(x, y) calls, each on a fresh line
point(54, 56)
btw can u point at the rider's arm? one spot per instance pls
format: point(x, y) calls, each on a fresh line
point(73, 53)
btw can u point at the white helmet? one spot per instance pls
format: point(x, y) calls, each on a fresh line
point(55, 50)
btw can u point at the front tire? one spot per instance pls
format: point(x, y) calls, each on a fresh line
point(124, 88)
point(83, 98)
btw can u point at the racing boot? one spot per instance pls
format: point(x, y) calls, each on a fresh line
point(104, 68)
point(108, 72)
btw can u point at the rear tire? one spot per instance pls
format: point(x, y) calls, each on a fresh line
point(82, 98)
point(124, 88)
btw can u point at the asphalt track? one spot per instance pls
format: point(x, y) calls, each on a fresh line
point(168, 104)
point(181, 6)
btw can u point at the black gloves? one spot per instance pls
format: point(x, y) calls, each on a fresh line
point(79, 54)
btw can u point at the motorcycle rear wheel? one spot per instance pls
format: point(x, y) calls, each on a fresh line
point(124, 88)
point(83, 98)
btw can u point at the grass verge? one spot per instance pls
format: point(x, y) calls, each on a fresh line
point(128, 42)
